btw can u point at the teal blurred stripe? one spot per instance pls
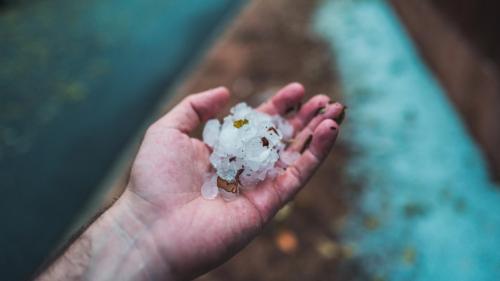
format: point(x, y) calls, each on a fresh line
point(77, 80)
point(426, 208)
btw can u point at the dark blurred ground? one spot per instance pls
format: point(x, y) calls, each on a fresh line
point(460, 42)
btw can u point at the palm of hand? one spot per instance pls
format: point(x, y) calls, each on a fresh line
point(171, 166)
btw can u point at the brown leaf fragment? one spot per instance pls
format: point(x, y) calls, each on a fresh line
point(240, 171)
point(265, 142)
point(272, 129)
point(232, 159)
point(238, 174)
point(231, 186)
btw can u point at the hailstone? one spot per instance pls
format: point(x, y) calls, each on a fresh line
point(246, 149)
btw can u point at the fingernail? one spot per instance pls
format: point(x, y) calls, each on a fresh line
point(306, 144)
point(218, 88)
point(339, 119)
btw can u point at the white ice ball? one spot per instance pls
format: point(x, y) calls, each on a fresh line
point(211, 132)
point(246, 148)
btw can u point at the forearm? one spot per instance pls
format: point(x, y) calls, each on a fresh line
point(117, 246)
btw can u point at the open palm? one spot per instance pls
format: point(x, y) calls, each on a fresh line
point(193, 234)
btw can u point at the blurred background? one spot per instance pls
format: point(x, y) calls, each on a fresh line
point(410, 192)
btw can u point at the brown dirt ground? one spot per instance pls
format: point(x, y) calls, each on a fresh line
point(271, 44)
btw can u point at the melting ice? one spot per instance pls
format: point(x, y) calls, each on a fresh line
point(246, 149)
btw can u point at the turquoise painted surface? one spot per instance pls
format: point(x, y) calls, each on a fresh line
point(77, 81)
point(427, 210)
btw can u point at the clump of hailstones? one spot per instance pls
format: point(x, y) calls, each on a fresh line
point(248, 147)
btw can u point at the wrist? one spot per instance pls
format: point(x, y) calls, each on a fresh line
point(117, 246)
point(128, 228)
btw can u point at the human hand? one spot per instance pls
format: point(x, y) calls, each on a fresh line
point(161, 227)
point(192, 234)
